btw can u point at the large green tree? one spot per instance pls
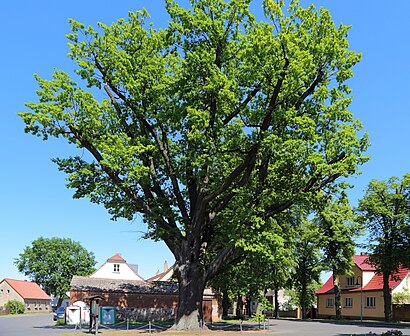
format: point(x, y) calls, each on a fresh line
point(385, 211)
point(208, 127)
point(52, 262)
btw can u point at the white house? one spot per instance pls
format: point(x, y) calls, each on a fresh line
point(117, 268)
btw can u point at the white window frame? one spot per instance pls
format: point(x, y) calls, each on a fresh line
point(330, 302)
point(116, 268)
point(350, 281)
point(370, 302)
point(348, 302)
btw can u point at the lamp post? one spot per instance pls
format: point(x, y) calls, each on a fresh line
point(361, 295)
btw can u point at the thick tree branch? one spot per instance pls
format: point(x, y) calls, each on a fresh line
point(242, 105)
point(161, 143)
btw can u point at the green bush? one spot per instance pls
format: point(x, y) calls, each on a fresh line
point(392, 333)
point(16, 307)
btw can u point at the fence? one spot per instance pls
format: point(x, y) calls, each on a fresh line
point(4, 311)
point(401, 312)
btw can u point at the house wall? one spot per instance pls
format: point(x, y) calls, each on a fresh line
point(7, 293)
point(366, 277)
point(352, 312)
point(148, 304)
point(37, 306)
point(106, 271)
point(403, 285)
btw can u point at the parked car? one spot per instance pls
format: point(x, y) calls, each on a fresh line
point(59, 313)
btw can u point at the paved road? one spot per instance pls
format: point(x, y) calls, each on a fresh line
point(314, 328)
point(43, 325)
point(30, 325)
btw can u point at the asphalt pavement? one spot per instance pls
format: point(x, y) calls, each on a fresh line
point(43, 325)
point(31, 325)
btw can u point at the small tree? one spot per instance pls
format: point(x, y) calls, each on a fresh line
point(385, 211)
point(52, 262)
point(15, 307)
point(338, 228)
point(308, 266)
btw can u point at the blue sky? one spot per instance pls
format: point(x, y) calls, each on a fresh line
point(34, 201)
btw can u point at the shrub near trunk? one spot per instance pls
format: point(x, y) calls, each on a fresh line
point(16, 307)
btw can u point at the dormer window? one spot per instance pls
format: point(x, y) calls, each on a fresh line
point(350, 281)
point(116, 268)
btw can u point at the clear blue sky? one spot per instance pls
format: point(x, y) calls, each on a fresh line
point(34, 201)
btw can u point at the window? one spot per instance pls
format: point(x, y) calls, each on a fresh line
point(329, 302)
point(370, 302)
point(116, 268)
point(350, 281)
point(348, 302)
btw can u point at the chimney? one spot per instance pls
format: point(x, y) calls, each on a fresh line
point(165, 266)
point(363, 253)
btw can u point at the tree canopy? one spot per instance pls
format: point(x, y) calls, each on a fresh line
point(52, 262)
point(207, 127)
point(385, 212)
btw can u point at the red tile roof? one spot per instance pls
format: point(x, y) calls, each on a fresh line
point(376, 282)
point(160, 276)
point(27, 289)
point(327, 287)
point(361, 261)
point(116, 257)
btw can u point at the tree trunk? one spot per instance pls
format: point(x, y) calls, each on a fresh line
point(239, 306)
point(192, 280)
point(304, 299)
point(248, 305)
point(225, 303)
point(387, 298)
point(338, 306)
point(276, 312)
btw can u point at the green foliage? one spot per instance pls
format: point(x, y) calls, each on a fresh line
point(401, 298)
point(52, 262)
point(16, 307)
point(308, 267)
point(209, 127)
point(392, 333)
point(384, 210)
point(339, 227)
point(292, 300)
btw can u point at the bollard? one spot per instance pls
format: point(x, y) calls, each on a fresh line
point(149, 325)
point(200, 327)
point(128, 323)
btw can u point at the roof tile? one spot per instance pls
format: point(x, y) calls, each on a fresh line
point(27, 289)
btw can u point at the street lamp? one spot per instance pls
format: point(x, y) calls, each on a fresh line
point(361, 295)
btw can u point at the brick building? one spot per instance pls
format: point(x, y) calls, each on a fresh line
point(29, 293)
point(155, 298)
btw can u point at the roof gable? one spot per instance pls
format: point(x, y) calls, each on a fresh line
point(362, 261)
point(376, 282)
point(164, 276)
point(327, 287)
point(116, 258)
point(27, 289)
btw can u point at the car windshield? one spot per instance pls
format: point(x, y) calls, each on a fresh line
point(60, 310)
